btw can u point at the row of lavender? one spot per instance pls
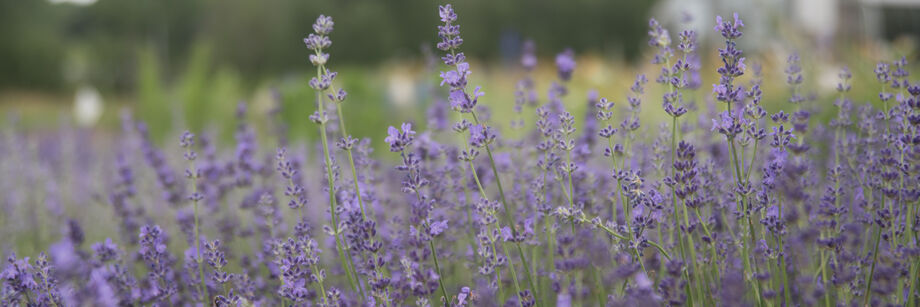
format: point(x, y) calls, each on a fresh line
point(738, 207)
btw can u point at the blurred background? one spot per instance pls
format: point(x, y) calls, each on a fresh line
point(187, 64)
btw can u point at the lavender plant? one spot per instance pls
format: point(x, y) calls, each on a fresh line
point(718, 206)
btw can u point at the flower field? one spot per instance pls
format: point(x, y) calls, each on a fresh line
point(719, 202)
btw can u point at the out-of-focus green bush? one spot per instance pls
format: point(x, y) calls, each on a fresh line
point(30, 44)
point(262, 39)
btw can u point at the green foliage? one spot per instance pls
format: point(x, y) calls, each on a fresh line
point(194, 86)
point(223, 94)
point(152, 99)
point(30, 54)
point(263, 38)
point(298, 102)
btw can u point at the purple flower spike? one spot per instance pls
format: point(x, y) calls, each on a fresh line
point(399, 139)
point(565, 63)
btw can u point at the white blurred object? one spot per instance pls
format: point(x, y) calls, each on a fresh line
point(87, 106)
point(902, 3)
point(700, 16)
point(828, 78)
point(818, 17)
point(401, 87)
point(75, 2)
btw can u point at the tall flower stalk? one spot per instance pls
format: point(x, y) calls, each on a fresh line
point(465, 102)
point(318, 41)
point(424, 228)
point(619, 152)
point(481, 136)
point(619, 156)
point(882, 214)
point(912, 115)
point(830, 208)
point(187, 141)
point(675, 77)
point(727, 92)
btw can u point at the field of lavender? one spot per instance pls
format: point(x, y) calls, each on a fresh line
point(730, 206)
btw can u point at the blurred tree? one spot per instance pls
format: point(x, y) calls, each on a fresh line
point(153, 102)
point(263, 38)
point(31, 47)
point(115, 30)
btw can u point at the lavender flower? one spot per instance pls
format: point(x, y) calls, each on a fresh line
point(565, 64)
point(401, 138)
point(805, 205)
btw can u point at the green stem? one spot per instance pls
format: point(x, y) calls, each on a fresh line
point(351, 162)
point(751, 165)
point(613, 203)
point(878, 239)
point(494, 250)
point(28, 298)
point(911, 292)
point(332, 200)
point(750, 268)
point(691, 248)
point(514, 278)
point(621, 237)
point(827, 285)
point(434, 255)
point(498, 274)
point(551, 249)
point(204, 288)
point(508, 212)
point(712, 247)
point(349, 270)
point(322, 288)
point(787, 293)
point(509, 217)
point(598, 285)
point(467, 204)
